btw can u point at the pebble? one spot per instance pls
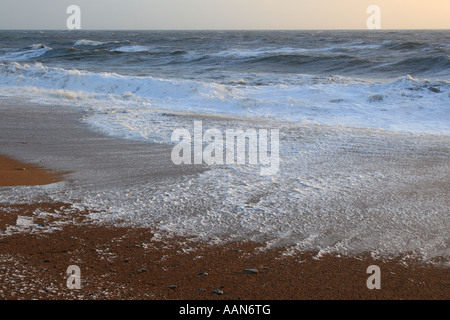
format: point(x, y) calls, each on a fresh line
point(218, 291)
point(142, 270)
point(172, 286)
point(203, 274)
point(251, 271)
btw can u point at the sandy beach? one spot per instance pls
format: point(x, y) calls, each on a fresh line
point(15, 173)
point(130, 263)
point(39, 240)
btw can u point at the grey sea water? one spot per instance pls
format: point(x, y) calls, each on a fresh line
point(333, 77)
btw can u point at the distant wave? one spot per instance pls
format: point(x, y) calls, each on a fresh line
point(298, 59)
point(406, 46)
point(132, 48)
point(85, 42)
point(391, 58)
point(32, 52)
point(425, 64)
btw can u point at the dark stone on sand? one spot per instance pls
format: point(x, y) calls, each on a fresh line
point(251, 271)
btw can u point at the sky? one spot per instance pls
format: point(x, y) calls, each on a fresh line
point(224, 14)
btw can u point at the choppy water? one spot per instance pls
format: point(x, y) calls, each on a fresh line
point(390, 80)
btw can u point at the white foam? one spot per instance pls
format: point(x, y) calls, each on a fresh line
point(403, 104)
point(84, 42)
point(268, 51)
point(338, 191)
point(132, 48)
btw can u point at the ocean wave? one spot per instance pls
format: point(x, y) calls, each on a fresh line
point(425, 64)
point(132, 48)
point(406, 45)
point(405, 103)
point(336, 64)
point(39, 46)
point(103, 83)
point(245, 53)
point(147, 49)
point(37, 74)
point(32, 52)
point(84, 42)
point(377, 59)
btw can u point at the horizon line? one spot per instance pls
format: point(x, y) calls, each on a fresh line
point(343, 29)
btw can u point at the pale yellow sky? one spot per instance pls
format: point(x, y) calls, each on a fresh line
point(225, 14)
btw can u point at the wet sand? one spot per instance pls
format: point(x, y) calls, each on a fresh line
point(15, 173)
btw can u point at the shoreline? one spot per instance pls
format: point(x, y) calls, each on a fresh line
point(132, 263)
point(41, 237)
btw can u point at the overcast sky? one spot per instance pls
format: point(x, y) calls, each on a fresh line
point(224, 14)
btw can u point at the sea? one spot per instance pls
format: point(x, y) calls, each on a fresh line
point(380, 93)
point(394, 80)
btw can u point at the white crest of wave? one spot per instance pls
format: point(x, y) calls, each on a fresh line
point(33, 51)
point(84, 42)
point(403, 104)
point(132, 48)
